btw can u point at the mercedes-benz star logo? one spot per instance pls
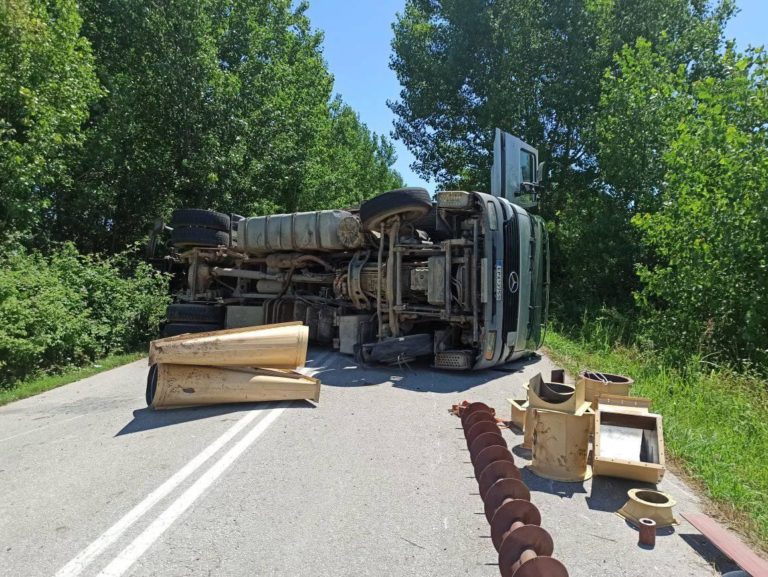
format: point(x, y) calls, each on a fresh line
point(514, 282)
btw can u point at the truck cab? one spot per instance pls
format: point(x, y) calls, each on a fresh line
point(460, 279)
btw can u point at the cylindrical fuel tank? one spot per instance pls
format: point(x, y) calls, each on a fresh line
point(322, 230)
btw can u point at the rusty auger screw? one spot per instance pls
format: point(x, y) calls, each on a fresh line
point(524, 548)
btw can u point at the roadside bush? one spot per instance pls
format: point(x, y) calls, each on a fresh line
point(61, 308)
point(704, 291)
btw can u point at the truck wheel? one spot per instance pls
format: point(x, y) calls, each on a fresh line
point(434, 225)
point(191, 313)
point(186, 236)
point(408, 203)
point(201, 218)
point(175, 329)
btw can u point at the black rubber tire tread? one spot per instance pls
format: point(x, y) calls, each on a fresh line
point(201, 218)
point(195, 313)
point(175, 329)
point(413, 202)
point(428, 223)
point(187, 236)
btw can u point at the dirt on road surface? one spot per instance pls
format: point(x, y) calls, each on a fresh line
point(374, 481)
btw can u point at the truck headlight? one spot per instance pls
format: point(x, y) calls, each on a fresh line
point(453, 199)
point(493, 217)
point(490, 345)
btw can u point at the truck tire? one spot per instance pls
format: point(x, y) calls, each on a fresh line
point(187, 236)
point(175, 329)
point(192, 313)
point(200, 218)
point(408, 203)
point(434, 225)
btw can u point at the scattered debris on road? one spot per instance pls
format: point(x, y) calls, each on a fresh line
point(646, 529)
point(558, 420)
point(524, 547)
point(278, 346)
point(561, 420)
point(598, 384)
point(649, 504)
point(729, 544)
point(629, 441)
point(230, 366)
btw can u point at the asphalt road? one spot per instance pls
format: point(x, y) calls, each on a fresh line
point(373, 481)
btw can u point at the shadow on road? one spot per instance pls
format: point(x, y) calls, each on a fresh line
point(413, 376)
point(147, 419)
point(610, 493)
point(542, 485)
point(711, 554)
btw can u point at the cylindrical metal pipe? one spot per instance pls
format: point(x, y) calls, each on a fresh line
point(647, 533)
point(392, 279)
point(259, 275)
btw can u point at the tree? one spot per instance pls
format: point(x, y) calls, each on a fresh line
point(704, 290)
point(47, 82)
point(351, 163)
point(212, 104)
point(535, 68)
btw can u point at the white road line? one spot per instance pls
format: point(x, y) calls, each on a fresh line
point(87, 555)
point(41, 428)
point(128, 556)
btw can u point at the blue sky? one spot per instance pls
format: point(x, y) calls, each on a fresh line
point(357, 49)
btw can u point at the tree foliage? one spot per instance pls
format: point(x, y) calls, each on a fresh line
point(47, 82)
point(115, 112)
point(655, 134)
point(704, 289)
point(155, 105)
point(536, 69)
point(62, 308)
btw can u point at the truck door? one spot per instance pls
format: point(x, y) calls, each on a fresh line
point(514, 162)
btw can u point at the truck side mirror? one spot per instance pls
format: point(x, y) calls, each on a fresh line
point(540, 173)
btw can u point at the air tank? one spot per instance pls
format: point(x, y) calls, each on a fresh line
point(319, 231)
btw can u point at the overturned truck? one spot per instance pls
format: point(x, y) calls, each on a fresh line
point(461, 279)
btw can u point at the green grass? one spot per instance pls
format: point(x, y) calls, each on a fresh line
point(715, 424)
point(47, 382)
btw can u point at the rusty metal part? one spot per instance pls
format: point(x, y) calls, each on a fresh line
point(479, 429)
point(502, 491)
point(356, 293)
point(483, 441)
point(647, 532)
point(477, 417)
point(471, 408)
point(524, 548)
point(490, 455)
point(541, 566)
point(727, 542)
point(508, 515)
point(495, 471)
point(522, 545)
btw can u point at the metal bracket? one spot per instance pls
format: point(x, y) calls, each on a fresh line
point(356, 294)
